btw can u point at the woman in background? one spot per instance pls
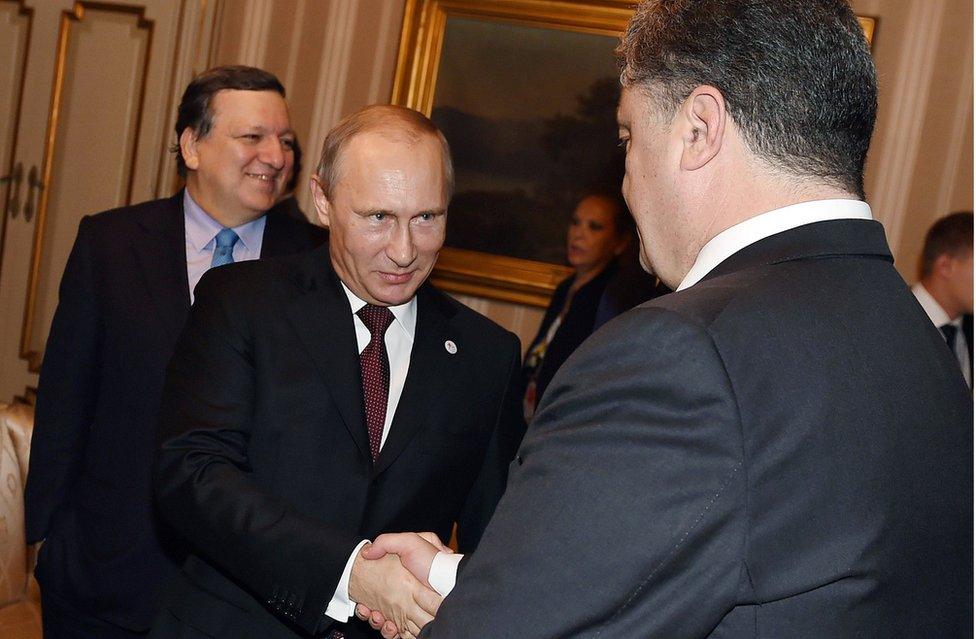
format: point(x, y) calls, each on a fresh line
point(599, 231)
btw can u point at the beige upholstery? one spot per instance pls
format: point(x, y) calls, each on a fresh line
point(20, 613)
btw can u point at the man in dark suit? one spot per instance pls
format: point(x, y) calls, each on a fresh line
point(781, 448)
point(126, 291)
point(315, 402)
point(945, 285)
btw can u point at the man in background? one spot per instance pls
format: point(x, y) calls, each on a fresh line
point(124, 298)
point(781, 447)
point(316, 401)
point(945, 285)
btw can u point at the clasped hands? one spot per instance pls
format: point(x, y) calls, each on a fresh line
point(389, 583)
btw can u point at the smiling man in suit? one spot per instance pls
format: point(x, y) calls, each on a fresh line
point(315, 402)
point(789, 440)
point(126, 291)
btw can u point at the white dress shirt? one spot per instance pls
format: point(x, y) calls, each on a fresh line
point(201, 239)
point(399, 343)
point(443, 570)
point(735, 238)
point(940, 318)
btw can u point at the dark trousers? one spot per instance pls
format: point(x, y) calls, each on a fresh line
point(61, 620)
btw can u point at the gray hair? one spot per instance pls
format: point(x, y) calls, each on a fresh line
point(797, 76)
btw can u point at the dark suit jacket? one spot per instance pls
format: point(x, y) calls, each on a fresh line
point(267, 470)
point(123, 301)
point(628, 287)
point(782, 450)
point(575, 327)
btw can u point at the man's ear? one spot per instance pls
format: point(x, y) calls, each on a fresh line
point(702, 120)
point(322, 205)
point(188, 149)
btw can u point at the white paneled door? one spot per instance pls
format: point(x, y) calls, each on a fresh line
point(87, 95)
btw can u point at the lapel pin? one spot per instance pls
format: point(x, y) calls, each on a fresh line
point(450, 347)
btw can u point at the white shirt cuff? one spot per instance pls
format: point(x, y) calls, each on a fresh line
point(341, 608)
point(443, 572)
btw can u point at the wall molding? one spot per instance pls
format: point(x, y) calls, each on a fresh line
point(68, 18)
point(7, 164)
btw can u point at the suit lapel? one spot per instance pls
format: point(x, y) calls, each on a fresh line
point(161, 256)
point(323, 321)
point(277, 240)
point(427, 359)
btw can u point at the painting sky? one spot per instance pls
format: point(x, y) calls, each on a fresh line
point(532, 55)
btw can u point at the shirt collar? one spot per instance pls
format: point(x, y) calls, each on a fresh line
point(404, 314)
point(737, 237)
point(201, 229)
point(932, 308)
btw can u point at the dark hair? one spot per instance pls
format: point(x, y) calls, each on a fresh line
point(797, 76)
point(195, 111)
point(379, 117)
point(950, 235)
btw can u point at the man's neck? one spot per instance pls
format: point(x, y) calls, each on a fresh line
point(742, 186)
point(224, 218)
point(757, 193)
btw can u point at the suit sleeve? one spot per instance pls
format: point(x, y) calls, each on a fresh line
point(203, 478)
point(507, 435)
point(623, 515)
point(67, 391)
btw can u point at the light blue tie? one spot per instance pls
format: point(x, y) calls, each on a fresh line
point(224, 251)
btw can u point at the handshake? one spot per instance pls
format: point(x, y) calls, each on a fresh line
point(389, 583)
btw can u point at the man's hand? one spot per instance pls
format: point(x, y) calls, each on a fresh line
point(416, 552)
point(385, 586)
point(377, 621)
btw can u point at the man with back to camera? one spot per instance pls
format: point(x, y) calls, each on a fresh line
point(314, 402)
point(126, 291)
point(781, 448)
point(945, 286)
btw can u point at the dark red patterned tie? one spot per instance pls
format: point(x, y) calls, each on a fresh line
point(374, 365)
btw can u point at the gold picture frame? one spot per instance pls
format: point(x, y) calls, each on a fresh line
point(473, 272)
point(478, 273)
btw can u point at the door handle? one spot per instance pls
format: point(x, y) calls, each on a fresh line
point(13, 192)
point(33, 182)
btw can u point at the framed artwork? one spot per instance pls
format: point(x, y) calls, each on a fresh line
point(525, 92)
